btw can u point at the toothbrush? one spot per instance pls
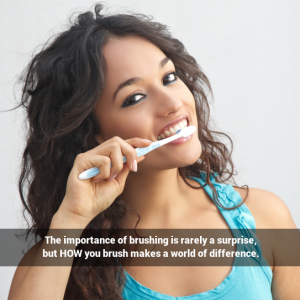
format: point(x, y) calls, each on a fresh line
point(184, 132)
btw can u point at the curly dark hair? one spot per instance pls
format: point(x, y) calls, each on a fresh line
point(60, 88)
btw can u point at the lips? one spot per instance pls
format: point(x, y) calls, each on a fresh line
point(171, 128)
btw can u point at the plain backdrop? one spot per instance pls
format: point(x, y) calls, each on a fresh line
point(248, 49)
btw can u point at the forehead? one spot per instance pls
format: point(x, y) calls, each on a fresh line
point(129, 56)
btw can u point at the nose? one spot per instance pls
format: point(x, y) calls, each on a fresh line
point(167, 103)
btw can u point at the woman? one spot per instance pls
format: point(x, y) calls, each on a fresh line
point(107, 85)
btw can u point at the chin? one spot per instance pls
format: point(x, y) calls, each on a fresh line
point(191, 155)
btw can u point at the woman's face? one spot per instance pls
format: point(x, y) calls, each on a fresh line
point(143, 98)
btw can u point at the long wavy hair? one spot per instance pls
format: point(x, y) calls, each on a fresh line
point(60, 88)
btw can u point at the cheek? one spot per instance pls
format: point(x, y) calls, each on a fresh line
point(125, 125)
point(186, 95)
point(191, 100)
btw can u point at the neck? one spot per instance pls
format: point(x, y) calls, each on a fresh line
point(159, 197)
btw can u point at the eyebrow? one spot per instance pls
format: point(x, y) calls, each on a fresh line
point(135, 79)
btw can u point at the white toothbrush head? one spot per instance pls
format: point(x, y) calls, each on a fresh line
point(184, 132)
point(187, 131)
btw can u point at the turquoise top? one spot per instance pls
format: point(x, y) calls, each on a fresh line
point(243, 282)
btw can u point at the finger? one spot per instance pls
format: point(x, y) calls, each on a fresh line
point(138, 142)
point(121, 177)
point(141, 158)
point(116, 169)
point(116, 158)
point(114, 174)
point(131, 156)
point(112, 145)
point(86, 161)
point(127, 148)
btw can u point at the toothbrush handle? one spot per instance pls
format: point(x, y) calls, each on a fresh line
point(140, 151)
point(144, 151)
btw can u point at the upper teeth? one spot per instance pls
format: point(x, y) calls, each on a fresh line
point(172, 129)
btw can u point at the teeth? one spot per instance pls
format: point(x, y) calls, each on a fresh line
point(172, 130)
point(177, 127)
point(181, 125)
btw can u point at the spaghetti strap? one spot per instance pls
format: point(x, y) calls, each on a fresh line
point(240, 218)
point(243, 282)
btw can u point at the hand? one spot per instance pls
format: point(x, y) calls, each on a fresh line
point(85, 199)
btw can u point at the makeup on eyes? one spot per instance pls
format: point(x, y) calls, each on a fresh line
point(131, 97)
point(133, 80)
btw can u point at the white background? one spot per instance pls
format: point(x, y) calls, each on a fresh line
point(249, 51)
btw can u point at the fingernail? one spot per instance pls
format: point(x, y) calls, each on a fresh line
point(134, 166)
point(147, 140)
point(112, 177)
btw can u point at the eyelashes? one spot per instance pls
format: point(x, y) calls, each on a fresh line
point(133, 99)
point(171, 75)
point(137, 97)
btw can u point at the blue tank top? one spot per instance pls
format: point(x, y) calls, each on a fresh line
point(243, 282)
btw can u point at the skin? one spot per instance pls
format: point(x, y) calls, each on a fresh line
point(157, 177)
point(154, 189)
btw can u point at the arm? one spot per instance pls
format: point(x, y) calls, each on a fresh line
point(83, 201)
point(33, 281)
point(286, 279)
point(270, 212)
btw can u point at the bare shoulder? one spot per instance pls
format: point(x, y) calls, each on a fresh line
point(23, 267)
point(268, 210)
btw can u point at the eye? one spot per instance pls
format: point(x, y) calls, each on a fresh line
point(169, 78)
point(133, 99)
